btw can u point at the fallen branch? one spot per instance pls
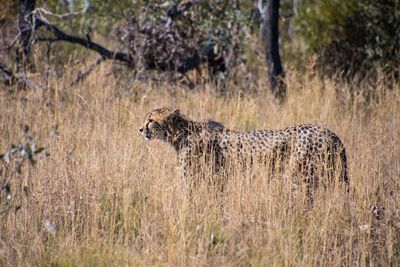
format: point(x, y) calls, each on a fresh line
point(189, 63)
point(83, 75)
point(86, 42)
point(165, 50)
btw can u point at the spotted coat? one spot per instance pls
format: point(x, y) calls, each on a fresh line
point(209, 144)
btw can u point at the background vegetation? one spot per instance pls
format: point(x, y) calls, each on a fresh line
point(356, 40)
point(87, 190)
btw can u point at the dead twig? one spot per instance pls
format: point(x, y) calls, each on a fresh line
point(8, 48)
point(59, 16)
point(7, 71)
point(19, 79)
point(83, 75)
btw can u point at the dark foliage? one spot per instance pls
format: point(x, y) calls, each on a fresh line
point(364, 35)
point(180, 37)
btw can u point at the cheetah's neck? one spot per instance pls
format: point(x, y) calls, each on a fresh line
point(181, 130)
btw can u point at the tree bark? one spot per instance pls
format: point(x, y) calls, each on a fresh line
point(270, 36)
point(25, 28)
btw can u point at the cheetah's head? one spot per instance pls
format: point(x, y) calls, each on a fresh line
point(158, 122)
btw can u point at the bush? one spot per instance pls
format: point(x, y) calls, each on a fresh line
point(352, 37)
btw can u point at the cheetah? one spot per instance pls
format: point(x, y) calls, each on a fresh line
point(210, 142)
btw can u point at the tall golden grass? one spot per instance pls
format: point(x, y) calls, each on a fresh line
point(115, 200)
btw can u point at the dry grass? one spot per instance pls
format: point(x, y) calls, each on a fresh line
point(114, 201)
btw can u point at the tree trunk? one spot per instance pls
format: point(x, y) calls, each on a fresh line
point(25, 28)
point(270, 36)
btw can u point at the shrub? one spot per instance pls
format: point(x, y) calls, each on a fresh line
point(352, 37)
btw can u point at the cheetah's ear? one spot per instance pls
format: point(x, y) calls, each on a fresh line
point(175, 112)
point(173, 115)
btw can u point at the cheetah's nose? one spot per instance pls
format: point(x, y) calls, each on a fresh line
point(140, 129)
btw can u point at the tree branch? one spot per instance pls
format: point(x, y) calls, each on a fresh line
point(12, 78)
point(62, 36)
point(177, 10)
point(186, 63)
point(83, 75)
point(7, 71)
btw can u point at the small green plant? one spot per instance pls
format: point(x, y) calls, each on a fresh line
point(12, 163)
